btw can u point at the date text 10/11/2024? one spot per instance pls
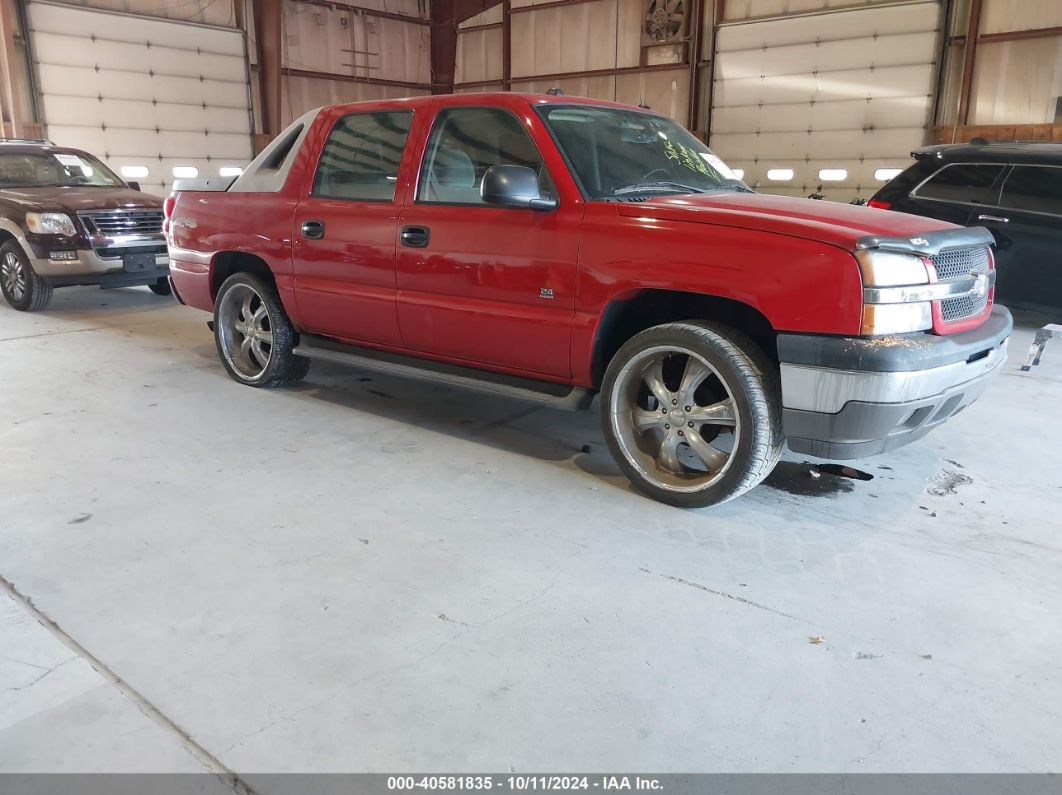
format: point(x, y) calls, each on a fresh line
point(517, 783)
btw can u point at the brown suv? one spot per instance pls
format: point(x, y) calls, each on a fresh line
point(66, 219)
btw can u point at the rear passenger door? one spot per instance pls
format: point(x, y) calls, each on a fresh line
point(956, 190)
point(345, 230)
point(1027, 226)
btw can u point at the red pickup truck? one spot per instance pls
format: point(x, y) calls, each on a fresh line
point(550, 248)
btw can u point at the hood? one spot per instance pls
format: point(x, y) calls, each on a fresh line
point(75, 199)
point(823, 221)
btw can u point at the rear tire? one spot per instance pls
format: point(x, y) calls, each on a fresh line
point(23, 289)
point(692, 413)
point(254, 337)
point(161, 287)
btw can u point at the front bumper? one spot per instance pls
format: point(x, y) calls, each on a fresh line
point(90, 269)
point(850, 397)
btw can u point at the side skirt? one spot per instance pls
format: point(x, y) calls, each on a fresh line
point(545, 393)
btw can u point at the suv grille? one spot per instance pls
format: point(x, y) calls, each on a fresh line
point(955, 264)
point(118, 223)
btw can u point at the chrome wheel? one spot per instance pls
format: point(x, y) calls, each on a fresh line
point(13, 277)
point(674, 418)
point(245, 331)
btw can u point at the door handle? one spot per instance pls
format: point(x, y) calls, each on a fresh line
point(997, 218)
point(415, 236)
point(313, 230)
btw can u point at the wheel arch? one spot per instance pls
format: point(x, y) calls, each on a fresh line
point(628, 314)
point(10, 231)
point(226, 263)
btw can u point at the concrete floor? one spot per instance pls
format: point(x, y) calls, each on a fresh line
point(364, 574)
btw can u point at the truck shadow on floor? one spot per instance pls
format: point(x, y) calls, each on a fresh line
point(570, 439)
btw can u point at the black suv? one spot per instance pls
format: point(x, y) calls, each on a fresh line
point(66, 219)
point(1013, 189)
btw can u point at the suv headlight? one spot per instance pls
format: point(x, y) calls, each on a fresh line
point(50, 224)
point(897, 294)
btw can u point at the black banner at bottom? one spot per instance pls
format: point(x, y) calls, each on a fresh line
point(665, 784)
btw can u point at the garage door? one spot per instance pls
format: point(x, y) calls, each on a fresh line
point(148, 96)
point(837, 98)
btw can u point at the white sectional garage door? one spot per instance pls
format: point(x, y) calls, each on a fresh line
point(143, 94)
point(837, 98)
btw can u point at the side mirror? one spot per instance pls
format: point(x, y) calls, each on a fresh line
point(514, 186)
point(133, 184)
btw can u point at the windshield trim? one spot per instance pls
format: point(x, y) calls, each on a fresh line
point(541, 108)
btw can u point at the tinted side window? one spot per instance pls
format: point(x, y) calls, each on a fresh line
point(464, 143)
point(1035, 188)
point(962, 182)
point(361, 157)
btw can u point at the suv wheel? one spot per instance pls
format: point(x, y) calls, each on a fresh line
point(692, 413)
point(253, 334)
point(161, 287)
point(23, 289)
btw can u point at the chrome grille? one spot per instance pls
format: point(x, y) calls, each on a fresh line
point(119, 223)
point(957, 263)
point(965, 306)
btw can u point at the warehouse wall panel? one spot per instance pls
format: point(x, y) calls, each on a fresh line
point(844, 90)
point(142, 91)
point(1017, 82)
point(305, 93)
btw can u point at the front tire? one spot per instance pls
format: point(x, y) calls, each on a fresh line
point(692, 413)
point(254, 337)
point(23, 289)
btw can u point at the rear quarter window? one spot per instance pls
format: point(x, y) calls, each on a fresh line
point(968, 183)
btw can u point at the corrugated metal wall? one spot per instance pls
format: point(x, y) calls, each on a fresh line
point(352, 44)
point(589, 49)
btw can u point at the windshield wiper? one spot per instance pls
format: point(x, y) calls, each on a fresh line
point(676, 187)
point(738, 187)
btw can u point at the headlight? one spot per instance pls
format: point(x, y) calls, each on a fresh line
point(887, 269)
point(50, 224)
point(896, 293)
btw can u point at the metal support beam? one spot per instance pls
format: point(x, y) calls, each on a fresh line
point(622, 70)
point(694, 55)
point(446, 15)
point(344, 78)
point(11, 66)
point(366, 11)
point(969, 56)
point(267, 31)
point(507, 46)
point(718, 16)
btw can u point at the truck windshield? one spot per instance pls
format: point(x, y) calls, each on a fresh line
point(618, 154)
point(55, 170)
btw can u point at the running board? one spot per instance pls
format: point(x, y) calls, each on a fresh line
point(545, 393)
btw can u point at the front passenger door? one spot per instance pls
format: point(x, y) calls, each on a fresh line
point(481, 283)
